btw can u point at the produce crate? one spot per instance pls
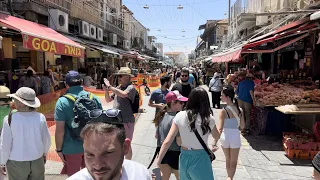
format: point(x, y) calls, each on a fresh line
point(300, 154)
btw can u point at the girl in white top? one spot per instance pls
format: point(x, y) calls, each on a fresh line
point(231, 119)
point(194, 162)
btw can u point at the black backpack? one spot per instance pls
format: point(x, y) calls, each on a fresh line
point(135, 103)
point(83, 104)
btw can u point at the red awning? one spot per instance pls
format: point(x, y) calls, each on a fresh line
point(42, 38)
point(277, 48)
point(232, 55)
point(283, 34)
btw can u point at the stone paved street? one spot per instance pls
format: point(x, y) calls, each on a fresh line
point(261, 157)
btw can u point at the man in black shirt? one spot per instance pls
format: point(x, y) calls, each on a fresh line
point(183, 86)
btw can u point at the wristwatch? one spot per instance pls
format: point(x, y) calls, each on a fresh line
point(58, 150)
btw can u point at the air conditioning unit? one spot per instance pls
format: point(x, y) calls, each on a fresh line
point(58, 20)
point(113, 39)
point(126, 44)
point(285, 5)
point(84, 28)
point(93, 31)
point(301, 4)
point(100, 34)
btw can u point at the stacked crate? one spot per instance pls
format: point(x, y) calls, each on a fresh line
point(300, 146)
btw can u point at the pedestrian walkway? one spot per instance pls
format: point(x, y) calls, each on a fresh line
point(260, 157)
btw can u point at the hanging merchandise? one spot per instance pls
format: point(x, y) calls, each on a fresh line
point(259, 58)
point(296, 56)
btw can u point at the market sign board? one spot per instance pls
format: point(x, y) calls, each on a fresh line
point(40, 44)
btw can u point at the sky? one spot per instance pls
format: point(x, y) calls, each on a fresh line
point(167, 23)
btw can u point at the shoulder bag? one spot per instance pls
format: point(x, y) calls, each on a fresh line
point(203, 144)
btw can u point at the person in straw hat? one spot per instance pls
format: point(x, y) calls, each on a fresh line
point(246, 99)
point(123, 96)
point(25, 138)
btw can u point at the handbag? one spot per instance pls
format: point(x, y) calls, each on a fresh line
point(203, 144)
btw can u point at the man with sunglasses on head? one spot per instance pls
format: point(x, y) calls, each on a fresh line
point(184, 87)
point(123, 97)
point(68, 147)
point(105, 145)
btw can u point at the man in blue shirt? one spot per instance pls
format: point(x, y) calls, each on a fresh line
point(70, 149)
point(157, 98)
point(246, 98)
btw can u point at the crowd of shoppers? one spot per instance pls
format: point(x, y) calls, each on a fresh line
point(102, 148)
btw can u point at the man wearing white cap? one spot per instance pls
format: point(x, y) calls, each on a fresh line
point(25, 138)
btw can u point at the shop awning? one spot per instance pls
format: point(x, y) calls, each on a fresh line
point(279, 47)
point(227, 56)
point(284, 34)
point(42, 38)
point(106, 51)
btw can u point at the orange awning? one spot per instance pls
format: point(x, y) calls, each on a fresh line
point(42, 38)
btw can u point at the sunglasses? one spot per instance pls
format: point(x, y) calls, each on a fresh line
point(180, 102)
point(110, 116)
point(184, 75)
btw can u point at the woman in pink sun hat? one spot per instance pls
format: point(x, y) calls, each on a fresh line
point(163, 122)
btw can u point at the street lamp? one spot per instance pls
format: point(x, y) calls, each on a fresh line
point(180, 7)
point(146, 7)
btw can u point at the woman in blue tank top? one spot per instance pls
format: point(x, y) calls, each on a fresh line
point(231, 118)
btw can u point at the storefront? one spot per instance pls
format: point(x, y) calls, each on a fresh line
point(38, 45)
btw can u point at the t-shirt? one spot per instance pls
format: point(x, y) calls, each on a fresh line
point(183, 89)
point(243, 90)
point(130, 171)
point(124, 104)
point(163, 130)
point(64, 112)
point(188, 137)
point(191, 79)
point(158, 96)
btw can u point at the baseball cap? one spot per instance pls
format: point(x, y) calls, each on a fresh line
point(175, 96)
point(72, 78)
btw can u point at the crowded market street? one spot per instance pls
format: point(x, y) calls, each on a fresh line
point(260, 157)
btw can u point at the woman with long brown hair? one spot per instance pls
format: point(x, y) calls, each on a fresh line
point(163, 122)
point(194, 162)
point(231, 118)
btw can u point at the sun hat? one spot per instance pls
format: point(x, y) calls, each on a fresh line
point(124, 71)
point(4, 91)
point(27, 96)
point(72, 77)
point(175, 96)
point(250, 75)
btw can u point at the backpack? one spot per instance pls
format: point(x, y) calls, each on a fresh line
point(135, 103)
point(83, 104)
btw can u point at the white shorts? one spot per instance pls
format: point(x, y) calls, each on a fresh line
point(230, 138)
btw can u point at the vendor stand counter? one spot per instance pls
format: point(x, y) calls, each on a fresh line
point(303, 116)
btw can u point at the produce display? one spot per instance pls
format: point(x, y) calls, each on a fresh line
point(279, 94)
point(313, 95)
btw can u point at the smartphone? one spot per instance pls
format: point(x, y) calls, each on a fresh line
point(156, 171)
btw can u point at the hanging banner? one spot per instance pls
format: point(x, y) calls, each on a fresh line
point(39, 44)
